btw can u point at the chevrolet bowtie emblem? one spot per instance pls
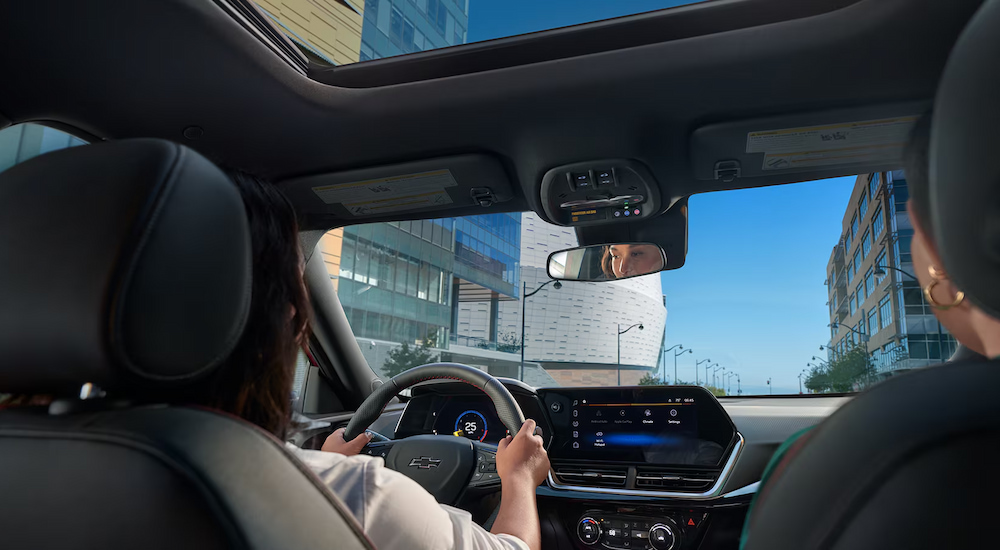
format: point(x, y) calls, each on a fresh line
point(425, 462)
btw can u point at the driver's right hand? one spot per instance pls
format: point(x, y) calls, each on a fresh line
point(522, 458)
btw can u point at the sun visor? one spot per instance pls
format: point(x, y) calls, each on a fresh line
point(805, 146)
point(439, 187)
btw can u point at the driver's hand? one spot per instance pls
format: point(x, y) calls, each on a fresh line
point(522, 457)
point(336, 444)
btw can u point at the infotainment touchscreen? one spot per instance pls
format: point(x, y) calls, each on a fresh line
point(656, 427)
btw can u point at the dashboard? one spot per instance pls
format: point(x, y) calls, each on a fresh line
point(633, 468)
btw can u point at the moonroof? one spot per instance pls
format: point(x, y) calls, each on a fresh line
point(338, 32)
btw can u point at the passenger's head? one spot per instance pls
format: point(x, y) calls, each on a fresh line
point(255, 382)
point(630, 260)
point(959, 319)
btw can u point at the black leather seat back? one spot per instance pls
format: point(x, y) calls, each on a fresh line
point(907, 465)
point(127, 265)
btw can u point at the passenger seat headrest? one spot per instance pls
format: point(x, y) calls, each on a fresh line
point(124, 264)
point(965, 161)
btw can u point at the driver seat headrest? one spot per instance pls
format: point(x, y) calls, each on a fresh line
point(125, 264)
point(964, 165)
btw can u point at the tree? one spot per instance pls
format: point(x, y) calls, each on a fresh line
point(718, 392)
point(846, 372)
point(405, 357)
point(649, 380)
point(509, 342)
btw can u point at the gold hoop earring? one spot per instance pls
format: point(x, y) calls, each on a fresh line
point(937, 277)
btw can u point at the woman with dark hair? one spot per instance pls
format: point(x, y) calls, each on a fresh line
point(255, 383)
point(621, 261)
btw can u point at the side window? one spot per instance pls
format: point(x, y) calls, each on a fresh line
point(25, 141)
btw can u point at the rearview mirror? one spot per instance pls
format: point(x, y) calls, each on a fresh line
point(606, 262)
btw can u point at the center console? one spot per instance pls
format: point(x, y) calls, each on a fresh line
point(675, 445)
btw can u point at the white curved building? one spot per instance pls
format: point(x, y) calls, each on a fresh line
point(572, 332)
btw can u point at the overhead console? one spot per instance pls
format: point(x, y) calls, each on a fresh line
point(599, 192)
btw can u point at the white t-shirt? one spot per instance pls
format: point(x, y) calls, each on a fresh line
point(396, 512)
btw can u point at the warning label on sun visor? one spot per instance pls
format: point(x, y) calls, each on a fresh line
point(834, 144)
point(393, 194)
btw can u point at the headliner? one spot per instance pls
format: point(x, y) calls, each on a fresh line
point(533, 102)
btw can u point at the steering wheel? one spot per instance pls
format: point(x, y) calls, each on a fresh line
point(443, 465)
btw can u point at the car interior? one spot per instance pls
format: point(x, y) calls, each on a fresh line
point(124, 267)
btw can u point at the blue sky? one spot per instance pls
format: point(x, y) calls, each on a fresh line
point(751, 296)
point(490, 19)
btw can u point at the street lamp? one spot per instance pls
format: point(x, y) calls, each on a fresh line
point(524, 301)
point(728, 380)
point(739, 389)
point(620, 332)
point(821, 362)
point(677, 353)
point(770, 388)
point(800, 381)
point(715, 370)
point(706, 369)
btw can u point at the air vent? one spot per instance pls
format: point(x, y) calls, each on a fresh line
point(592, 477)
point(694, 481)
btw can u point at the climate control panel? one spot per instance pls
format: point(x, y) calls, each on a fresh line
point(627, 532)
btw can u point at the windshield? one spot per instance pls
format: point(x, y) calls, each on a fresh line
point(338, 32)
point(786, 289)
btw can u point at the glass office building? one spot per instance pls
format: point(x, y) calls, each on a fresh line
point(875, 300)
point(403, 281)
point(396, 27)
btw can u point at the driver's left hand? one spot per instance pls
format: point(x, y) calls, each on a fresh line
point(336, 443)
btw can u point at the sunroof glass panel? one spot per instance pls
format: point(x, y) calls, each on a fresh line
point(338, 32)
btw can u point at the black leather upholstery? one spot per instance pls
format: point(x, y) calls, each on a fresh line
point(158, 477)
point(125, 264)
point(508, 411)
point(910, 464)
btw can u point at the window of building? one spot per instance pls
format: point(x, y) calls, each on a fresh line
point(854, 226)
point(938, 347)
point(396, 26)
point(903, 242)
point(860, 294)
point(25, 141)
point(866, 244)
point(860, 328)
point(850, 271)
point(863, 204)
point(873, 322)
point(885, 311)
point(873, 184)
point(848, 239)
point(854, 305)
point(870, 282)
point(857, 261)
point(878, 224)
point(880, 262)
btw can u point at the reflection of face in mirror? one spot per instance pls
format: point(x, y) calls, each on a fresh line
point(630, 260)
